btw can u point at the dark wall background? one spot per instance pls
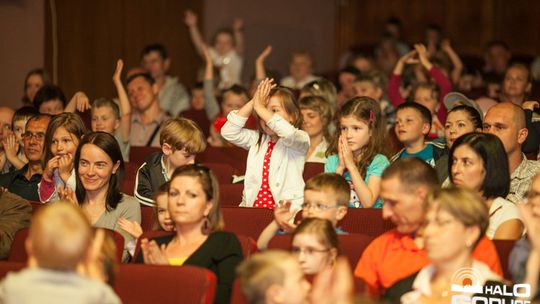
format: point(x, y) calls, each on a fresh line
point(91, 35)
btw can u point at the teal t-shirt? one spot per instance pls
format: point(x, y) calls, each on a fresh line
point(376, 168)
point(425, 154)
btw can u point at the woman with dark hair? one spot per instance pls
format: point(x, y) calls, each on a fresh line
point(34, 80)
point(460, 120)
point(100, 170)
point(198, 241)
point(478, 161)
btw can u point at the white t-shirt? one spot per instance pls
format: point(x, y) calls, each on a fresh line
point(501, 211)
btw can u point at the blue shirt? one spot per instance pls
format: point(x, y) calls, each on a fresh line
point(425, 154)
point(375, 168)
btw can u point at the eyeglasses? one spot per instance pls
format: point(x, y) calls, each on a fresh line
point(37, 136)
point(307, 251)
point(317, 207)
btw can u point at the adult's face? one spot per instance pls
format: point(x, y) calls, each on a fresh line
point(300, 67)
point(500, 122)
point(457, 124)
point(468, 168)
point(403, 208)
point(34, 139)
point(141, 94)
point(154, 64)
point(515, 82)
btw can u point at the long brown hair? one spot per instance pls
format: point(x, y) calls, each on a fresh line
point(367, 110)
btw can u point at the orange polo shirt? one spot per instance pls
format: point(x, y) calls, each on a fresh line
point(394, 256)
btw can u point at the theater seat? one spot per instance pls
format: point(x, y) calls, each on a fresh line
point(367, 221)
point(246, 221)
point(234, 156)
point(198, 116)
point(312, 169)
point(503, 250)
point(165, 284)
point(230, 194)
point(147, 218)
point(137, 155)
point(222, 171)
point(7, 266)
point(17, 252)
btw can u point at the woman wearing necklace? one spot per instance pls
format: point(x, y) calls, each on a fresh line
point(100, 170)
point(193, 204)
point(456, 219)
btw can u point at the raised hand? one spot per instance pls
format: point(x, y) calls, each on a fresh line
point(423, 55)
point(190, 18)
point(283, 214)
point(238, 24)
point(530, 105)
point(81, 101)
point(52, 164)
point(11, 146)
point(260, 98)
point(264, 54)
point(153, 254)
point(409, 58)
point(65, 165)
point(117, 76)
point(67, 194)
point(131, 227)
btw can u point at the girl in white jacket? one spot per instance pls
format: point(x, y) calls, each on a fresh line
point(277, 152)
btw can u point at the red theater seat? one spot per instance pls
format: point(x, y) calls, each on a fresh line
point(222, 171)
point(312, 169)
point(198, 116)
point(165, 284)
point(137, 155)
point(6, 267)
point(234, 156)
point(147, 218)
point(230, 194)
point(367, 221)
point(246, 221)
point(503, 250)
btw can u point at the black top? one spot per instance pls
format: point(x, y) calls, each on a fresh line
point(16, 182)
point(149, 178)
point(220, 253)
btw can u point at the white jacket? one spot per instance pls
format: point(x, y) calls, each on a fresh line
point(286, 163)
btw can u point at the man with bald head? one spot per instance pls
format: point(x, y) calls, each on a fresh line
point(6, 115)
point(507, 121)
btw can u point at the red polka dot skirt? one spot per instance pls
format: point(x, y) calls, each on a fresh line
point(264, 198)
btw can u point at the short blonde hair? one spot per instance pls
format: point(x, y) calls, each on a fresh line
point(463, 204)
point(182, 133)
point(331, 182)
point(261, 271)
point(322, 106)
point(60, 236)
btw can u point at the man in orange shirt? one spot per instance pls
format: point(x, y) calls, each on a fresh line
point(399, 253)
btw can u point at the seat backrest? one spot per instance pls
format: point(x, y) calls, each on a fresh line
point(249, 246)
point(312, 169)
point(504, 247)
point(7, 266)
point(246, 221)
point(234, 156)
point(230, 194)
point(165, 284)
point(222, 171)
point(147, 218)
point(198, 116)
point(137, 154)
point(18, 253)
point(367, 221)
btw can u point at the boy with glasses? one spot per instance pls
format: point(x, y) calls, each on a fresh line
point(326, 196)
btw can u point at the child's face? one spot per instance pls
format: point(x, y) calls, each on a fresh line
point(164, 219)
point(197, 99)
point(232, 102)
point(223, 43)
point(346, 81)
point(51, 107)
point(356, 131)
point(295, 287)
point(366, 88)
point(33, 84)
point(95, 168)
point(104, 120)
point(409, 126)
point(64, 142)
point(312, 122)
point(323, 205)
point(426, 97)
point(179, 158)
point(312, 255)
point(19, 128)
point(275, 106)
